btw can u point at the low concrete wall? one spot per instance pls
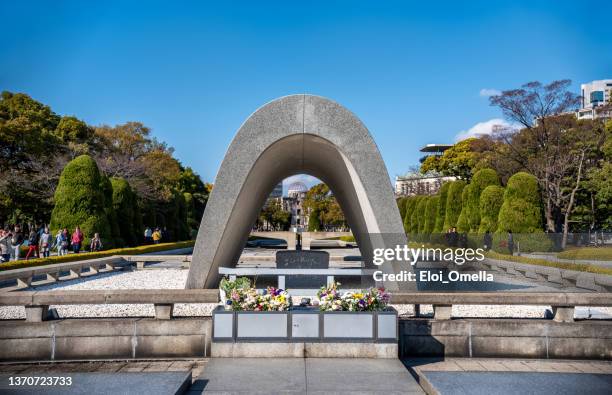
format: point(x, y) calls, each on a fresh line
point(506, 338)
point(143, 338)
point(115, 338)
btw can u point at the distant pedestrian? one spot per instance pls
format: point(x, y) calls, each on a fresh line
point(16, 242)
point(157, 236)
point(46, 240)
point(65, 241)
point(510, 242)
point(487, 241)
point(96, 243)
point(60, 242)
point(77, 240)
point(32, 244)
point(5, 245)
point(452, 237)
point(148, 234)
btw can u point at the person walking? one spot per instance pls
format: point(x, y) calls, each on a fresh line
point(487, 241)
point(58, 242)
point(46, 240)
point(157, 236)
point(16, 242)
point(77, 240)
point(32, 244)
point(65, 241)
point(148, 234)
point(5, 245)
point(510, 242)
point(96, 243)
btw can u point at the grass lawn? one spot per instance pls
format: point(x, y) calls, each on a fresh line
point(593, 253)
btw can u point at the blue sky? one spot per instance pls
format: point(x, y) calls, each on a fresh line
point(193, 71)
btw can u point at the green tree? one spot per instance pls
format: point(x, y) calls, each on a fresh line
point(491, 200)
point(481, 179)
point(457, 161)
point(521, 211)
point(422, 214)
point(401, 205)
point(463, 225)
point(453, 203)
point(414, 216)
point(79, 200)
point(126, 208)
point(441, 214)
point(314, 222)
point(431, 214)
point(115, 234)
point(410, 207)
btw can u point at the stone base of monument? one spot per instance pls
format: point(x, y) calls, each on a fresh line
point(303, 350)
point(305, 332)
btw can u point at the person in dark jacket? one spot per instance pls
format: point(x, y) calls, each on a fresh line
point(510, 242)
point(487, 241)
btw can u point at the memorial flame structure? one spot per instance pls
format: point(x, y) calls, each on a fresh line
point(297, 134)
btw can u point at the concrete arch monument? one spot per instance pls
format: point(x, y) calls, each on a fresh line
point(298, 134)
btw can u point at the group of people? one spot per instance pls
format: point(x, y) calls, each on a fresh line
point(456, 239)
point(40, 242)
point(154, 236)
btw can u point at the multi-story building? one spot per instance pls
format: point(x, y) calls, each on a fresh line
point(593, 95)
point(416, 183)
point(433, 150)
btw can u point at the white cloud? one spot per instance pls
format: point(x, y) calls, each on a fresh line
point(483, 128)
point(486, 92)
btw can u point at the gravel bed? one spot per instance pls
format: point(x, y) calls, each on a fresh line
point(176, 278)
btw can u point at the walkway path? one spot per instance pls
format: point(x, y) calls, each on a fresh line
point(304, 376)
point(511, 376)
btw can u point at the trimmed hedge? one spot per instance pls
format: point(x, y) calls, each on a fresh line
point(430, 214)
point(401, 205)
point(521, 211)
point(79, 200)
point(421, 212)
point(91, 255)
point(491, 200)
point(414, 215)
point(463, 225)
point(481, 179)
point(453, 204)
point(441, 213)
point(126, 208)
point(410, 205)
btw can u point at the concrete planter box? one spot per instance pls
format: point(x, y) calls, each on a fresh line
point(305, 325)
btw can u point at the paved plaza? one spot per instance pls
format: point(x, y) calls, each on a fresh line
point(329, 375)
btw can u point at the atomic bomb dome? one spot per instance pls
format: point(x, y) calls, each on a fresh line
point(296, 188)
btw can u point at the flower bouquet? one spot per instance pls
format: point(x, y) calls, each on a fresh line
point(372, 299)
point(248, 299)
